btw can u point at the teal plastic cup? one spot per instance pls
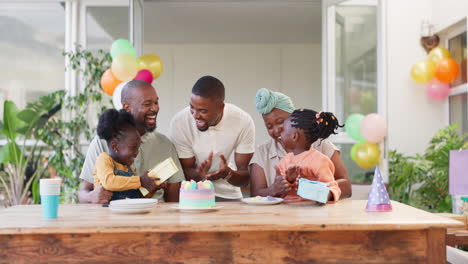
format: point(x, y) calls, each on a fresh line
point(50, 193)
point(50, 204)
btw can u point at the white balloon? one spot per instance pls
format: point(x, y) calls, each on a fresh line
point(116, 97)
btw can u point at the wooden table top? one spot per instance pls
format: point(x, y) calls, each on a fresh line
point(233, 216)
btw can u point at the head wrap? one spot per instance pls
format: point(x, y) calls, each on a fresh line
point(266, 100)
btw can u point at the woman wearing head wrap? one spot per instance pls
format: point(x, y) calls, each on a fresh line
point(276, 107)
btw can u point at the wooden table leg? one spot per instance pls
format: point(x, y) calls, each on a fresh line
point(436, 250)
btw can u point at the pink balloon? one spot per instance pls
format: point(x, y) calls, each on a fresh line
point(144, 75)
point(437, 91)
point(374, 128)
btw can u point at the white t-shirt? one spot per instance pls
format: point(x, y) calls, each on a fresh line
point(235, 133)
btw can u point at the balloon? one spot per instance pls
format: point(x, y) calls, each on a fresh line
point(152, 63)
point(438, 53)
point(353, 126)
point(109, 82)
point(124, 67)
point(437, 91)
point(367, 155)
point(116, 98)
point(374, 128)
point(353, 151)
point(144, 75)
point(423, 71)
point(121, 46)
point(447, 70)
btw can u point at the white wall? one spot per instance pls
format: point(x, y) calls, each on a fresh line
point(243, 68)
point(412, 117)
point(448, 12)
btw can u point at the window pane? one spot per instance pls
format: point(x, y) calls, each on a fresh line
point(104, 24)
point(457, 47)
point(459, 112)
point(356, 60)
point(357, 174)
point(32, 38)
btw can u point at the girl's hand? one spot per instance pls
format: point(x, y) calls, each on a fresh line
point(148, 183)
point(280, 188)
point(291, 174)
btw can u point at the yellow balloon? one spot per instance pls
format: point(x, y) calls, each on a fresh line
point(367, 155)
point(439, 53)
point(124, 67)
point(152, 63)
point(423, 71)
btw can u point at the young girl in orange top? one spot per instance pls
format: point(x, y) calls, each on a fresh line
point(302, 128)
point(114, 170)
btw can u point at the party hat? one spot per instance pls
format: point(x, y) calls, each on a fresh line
point(378, 200)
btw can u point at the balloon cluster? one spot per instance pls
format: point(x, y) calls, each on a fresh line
point(437, 71)
point(126, 67)
point(367, 131)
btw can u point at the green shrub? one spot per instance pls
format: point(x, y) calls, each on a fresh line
point(422, 180)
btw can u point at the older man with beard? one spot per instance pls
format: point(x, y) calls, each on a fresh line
point(140, 99)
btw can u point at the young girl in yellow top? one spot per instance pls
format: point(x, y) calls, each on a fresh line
point(114, 170)
point(302, 128)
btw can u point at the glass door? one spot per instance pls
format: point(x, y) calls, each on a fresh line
point(351, 76)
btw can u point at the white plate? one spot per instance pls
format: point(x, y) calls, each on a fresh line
point(254, 201)
point(130, 211)
point(134, 202)
point(133, 206)
point(195, 210)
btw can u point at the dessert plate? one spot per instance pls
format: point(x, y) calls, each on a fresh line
point(259, 200)
point(132, 206)
point(196, 210)
point(130, 211)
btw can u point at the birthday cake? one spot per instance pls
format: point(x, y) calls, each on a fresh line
point(196, 194)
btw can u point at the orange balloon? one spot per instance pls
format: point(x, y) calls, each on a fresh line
point(109, 82)
point(447, 70)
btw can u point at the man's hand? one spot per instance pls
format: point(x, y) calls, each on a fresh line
point(158, 187)
point(204, 167)
point(100, 195)
point(222, 172)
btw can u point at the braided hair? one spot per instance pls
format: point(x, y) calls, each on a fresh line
point(315, 125)
point(113, 124)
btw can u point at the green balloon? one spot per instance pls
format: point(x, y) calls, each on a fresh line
point(122, 46)
point(353, 127)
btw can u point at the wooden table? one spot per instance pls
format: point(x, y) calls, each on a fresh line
point(237, 233)
point(457, 236)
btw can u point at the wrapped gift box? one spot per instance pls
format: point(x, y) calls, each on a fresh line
point(313, 190)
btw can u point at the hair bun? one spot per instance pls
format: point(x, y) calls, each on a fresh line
point(265, 101)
